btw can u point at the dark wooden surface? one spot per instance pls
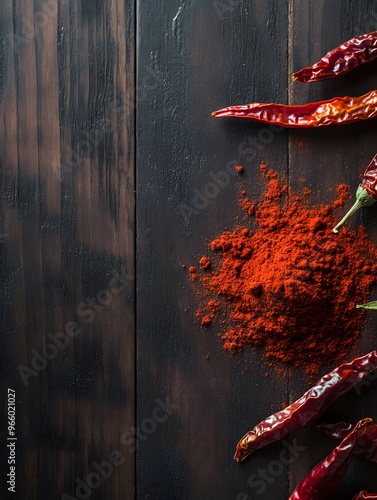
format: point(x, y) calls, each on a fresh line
point(92, 92)
point(67, 215)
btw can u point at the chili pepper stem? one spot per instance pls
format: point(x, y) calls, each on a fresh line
point(363, 199)
point(368, 305)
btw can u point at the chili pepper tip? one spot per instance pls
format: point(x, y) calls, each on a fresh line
point(221, 112)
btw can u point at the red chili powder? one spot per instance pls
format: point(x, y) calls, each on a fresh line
point(291, 284)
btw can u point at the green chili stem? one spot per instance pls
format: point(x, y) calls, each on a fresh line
point(363, 199)
point(368, 305)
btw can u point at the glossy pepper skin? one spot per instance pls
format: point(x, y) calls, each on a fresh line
point(369, 181)
point(326, 475)
point(341, 60)
point(366, 193)
point(336, 111)
point(307, 408)
point(364, 495)
point(367, 446)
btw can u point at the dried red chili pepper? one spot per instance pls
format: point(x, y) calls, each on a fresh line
point(336, 431)
point(336, 111)
point(346, 57)
point(364, 495)
point(366, 193)
point(309, 407)
point(326, 475)
point(367, 446)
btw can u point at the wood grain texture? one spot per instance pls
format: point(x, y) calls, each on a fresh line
point(67, 212)
point(204, 55)
point(92, 255)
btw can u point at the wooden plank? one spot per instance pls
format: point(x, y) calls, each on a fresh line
point(326, 158)
point(67, 184)
point(200, 56)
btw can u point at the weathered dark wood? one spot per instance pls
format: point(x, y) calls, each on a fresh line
point(69, 103)
point(201, 63)
point(67, 214)
point(202, 59)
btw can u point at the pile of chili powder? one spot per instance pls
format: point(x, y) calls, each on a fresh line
point(291, 284)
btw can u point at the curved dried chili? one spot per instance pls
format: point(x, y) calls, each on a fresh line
point(307, 408)
point(341, 60)
point(366, 448)
point(326, 475)
point(336, 111)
